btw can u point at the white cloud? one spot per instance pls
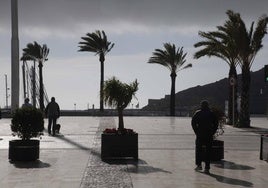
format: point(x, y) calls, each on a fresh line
point(119, 28)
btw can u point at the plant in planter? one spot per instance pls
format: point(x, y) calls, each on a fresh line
point(222, 120)
point(217, 152)
point(121, 142)
point(26, 123)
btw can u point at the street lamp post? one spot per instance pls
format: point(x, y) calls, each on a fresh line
point(6, 91)
point(15, 82)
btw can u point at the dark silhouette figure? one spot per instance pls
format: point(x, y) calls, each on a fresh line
point(53, 113)
point(205, 124)
point(27, 103)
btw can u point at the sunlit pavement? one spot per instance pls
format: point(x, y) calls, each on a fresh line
point(166, 157)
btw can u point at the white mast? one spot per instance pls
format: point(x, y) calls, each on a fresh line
point(15, 80)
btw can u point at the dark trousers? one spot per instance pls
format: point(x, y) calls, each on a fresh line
point(52, 120)
point(201, 153)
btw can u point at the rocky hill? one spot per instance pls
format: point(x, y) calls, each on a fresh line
point(217, 93)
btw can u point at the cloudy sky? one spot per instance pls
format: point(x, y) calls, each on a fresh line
point(136, 27)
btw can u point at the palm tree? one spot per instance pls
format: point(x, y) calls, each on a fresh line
point(248, 43)
point(26, 58)
point(38, 53)
point(243, 46)
point(119, 95)
point(219, 44)
point(97, 43)
point(174, 60)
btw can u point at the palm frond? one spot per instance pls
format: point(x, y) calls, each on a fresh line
point(117, 94)
point(221, 43)
point(95, 42)
point(170, 57)
point(35, 51)
point(260, 32)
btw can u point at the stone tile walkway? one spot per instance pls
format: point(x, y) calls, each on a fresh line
point(166, 157)
point(100, 174)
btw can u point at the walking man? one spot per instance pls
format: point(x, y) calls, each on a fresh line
point(53, 113)
point(204, 124)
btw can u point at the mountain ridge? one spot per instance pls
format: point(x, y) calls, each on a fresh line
point(217, 94)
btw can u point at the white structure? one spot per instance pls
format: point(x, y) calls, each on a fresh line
point(15, 80)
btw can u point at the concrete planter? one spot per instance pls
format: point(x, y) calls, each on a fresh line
point(119, 146)
point(264, 148)
point(23, 150)
point(217, 151)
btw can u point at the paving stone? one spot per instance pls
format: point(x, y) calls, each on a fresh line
point(166, 157)
point(101, 174)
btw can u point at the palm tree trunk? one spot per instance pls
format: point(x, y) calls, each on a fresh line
point(24, 79)
point(244, 116)
point(101, 82)
point(232, 97)
point(120, 120)
point(41, 88)
point(34, 86)
point(172, 94)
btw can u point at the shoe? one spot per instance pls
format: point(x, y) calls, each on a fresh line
point(199, 167)
point(206, 171)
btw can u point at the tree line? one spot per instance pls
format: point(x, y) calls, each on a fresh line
point(232, 42)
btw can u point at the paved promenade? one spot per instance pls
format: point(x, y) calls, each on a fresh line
point(166, 157)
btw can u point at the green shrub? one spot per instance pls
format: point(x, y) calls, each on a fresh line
point(27, 123)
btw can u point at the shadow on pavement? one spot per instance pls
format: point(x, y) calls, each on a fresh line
point(257, 130)
point(30, 164)
point(124, 161)
point(232, 166)
point(92, 150)
point(78, 145)
point(230, 181)
point(136, 166)
point(145, 169)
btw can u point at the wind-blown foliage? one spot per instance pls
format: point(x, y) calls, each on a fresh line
point(97, 43)
point(220, 44)
point(36, 52)
point(241, 44)
point(174, 60)
point(249, 42)
point(119, 95)
point(170, 57)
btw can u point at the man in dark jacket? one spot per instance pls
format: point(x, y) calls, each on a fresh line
point(205, 124)
point(53, 113)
